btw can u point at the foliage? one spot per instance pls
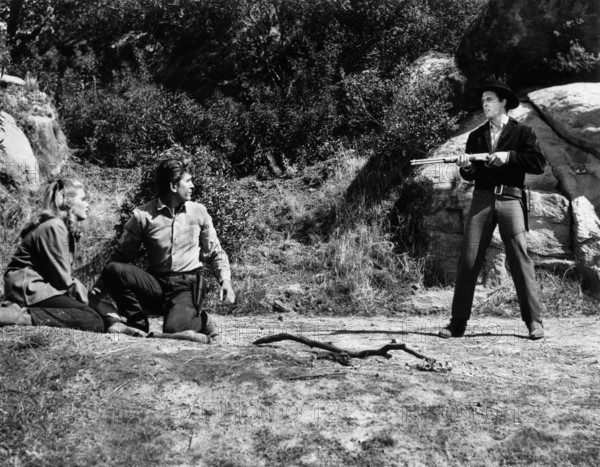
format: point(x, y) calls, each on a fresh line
point(576, 60)
point(215, 188)
point(120, 123)
point(418, 119)
point(571, 57)
point(280, 67)
point(416, 116)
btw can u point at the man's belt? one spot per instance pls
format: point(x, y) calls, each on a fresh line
point(167, 275)
point(506, 190)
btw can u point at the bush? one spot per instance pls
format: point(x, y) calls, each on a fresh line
point(131, 117)
point(215, 188)
point(416, 117)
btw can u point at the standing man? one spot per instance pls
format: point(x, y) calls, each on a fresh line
point(498, 200)
point(179, 238)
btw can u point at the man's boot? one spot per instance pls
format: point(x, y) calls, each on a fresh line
point(209, 326)
point(536, 330)
point(456, 328)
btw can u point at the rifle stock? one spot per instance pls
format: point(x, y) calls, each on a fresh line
point(479, 157)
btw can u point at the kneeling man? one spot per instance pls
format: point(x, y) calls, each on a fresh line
point(179, 238)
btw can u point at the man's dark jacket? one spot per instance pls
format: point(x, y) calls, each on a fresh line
point(525, 156)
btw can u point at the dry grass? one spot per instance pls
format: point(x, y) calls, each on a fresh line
point(560, 294)
point(340, 251)
point(107, 188)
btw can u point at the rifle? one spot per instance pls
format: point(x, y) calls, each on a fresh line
point(480, 157)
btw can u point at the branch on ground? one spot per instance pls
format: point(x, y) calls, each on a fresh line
point(341, 355)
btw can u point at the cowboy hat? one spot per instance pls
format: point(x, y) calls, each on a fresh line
point(503, 92)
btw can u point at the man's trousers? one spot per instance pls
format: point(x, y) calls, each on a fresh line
point(138, 294)
point(488, 210)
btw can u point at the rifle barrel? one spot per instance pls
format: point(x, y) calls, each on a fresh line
point(449, 160)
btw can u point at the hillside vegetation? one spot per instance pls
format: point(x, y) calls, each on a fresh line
point(299, 117)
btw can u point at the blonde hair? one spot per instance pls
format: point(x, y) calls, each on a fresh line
point(57, 201)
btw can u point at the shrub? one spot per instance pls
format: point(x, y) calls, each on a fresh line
point(132, 116)
point(416, 117)
point(570, 56)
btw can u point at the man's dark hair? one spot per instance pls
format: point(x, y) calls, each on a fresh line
point(170, 171)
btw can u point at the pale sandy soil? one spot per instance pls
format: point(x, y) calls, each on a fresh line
point(131, 401)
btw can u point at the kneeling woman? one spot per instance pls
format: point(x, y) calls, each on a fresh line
point(38, 283)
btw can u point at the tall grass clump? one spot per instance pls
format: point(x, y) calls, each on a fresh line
point(561, 295)
point(343, 252)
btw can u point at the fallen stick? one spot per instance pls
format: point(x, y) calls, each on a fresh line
point(382, 352)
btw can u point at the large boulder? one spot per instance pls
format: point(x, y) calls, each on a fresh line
point(534, 43)
point(30, 127)
point(49, 143)
point(18, 164)
point(574, 112)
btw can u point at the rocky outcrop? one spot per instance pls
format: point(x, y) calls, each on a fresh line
point(35, 147)
point(442, 69)
point(574, 112)
point(565, 228)
point(18, 165)
point(534, 43)
point(6, 80)
point(49, 142)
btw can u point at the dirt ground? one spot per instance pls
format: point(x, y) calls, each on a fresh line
point(74, 398)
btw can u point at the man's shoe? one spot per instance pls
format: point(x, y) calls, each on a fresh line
point(536, 330)
point(209, 326)
point(456, 328)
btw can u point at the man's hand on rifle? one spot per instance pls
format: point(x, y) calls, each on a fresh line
point(498, 158)
point(463, 161)
point(226, 293)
